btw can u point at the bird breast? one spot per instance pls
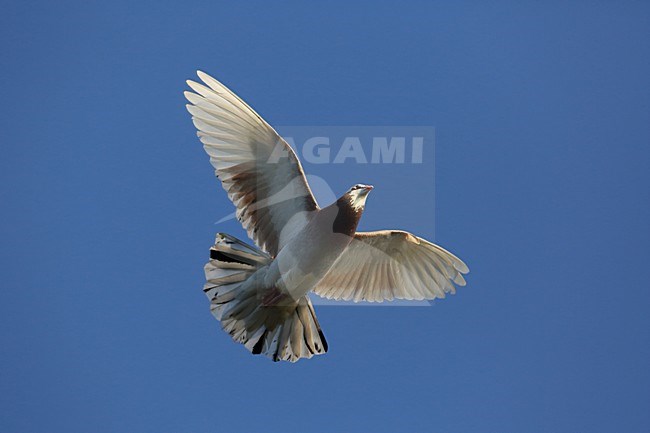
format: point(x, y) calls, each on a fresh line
point(305, 260)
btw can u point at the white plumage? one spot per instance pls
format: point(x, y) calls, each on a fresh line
point(260, 294)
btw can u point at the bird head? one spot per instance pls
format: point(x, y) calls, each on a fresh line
point(357, 195)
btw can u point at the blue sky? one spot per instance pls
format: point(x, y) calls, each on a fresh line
point(108, 202)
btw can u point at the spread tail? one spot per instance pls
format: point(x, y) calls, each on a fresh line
point(284, 332)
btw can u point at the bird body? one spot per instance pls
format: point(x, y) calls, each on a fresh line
point(309, 255)
point(260, 294)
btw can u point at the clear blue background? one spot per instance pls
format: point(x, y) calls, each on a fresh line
point(108, 204)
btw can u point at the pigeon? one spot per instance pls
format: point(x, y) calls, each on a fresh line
point(260, 293)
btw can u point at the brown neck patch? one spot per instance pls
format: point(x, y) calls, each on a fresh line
point(347, 218)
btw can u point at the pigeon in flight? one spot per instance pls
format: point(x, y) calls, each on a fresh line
point(260, 293)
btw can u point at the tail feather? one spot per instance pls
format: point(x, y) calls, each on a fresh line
point(287, 332)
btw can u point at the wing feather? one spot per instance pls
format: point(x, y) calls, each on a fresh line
point(392, 264)
point(272, 196)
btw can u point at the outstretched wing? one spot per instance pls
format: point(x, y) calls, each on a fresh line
point(258, 169)
point(392, 264)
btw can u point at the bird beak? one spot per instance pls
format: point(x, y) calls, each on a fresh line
point(369, 188)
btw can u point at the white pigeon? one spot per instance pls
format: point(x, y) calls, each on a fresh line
point(260, 294)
